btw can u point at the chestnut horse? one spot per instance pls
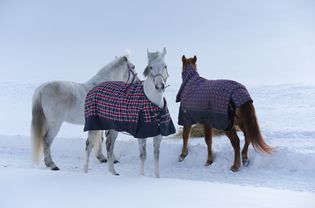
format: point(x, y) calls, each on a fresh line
point(223, 103)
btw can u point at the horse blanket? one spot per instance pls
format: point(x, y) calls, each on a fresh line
point(211, 102)
point(124, 107)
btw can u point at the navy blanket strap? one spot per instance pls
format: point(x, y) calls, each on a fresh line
point(124, 107)
point(210, 102)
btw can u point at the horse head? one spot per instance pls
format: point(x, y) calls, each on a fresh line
point(130, 74)
point(157, 69)
point(189, 62)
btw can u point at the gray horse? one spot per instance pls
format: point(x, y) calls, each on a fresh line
point(59, 101)
point(111, 107)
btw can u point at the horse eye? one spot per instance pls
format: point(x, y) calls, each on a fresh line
point(151, 67)
point(133, 67)
point(165, 67)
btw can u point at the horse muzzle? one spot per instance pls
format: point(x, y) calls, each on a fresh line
point(160, 87)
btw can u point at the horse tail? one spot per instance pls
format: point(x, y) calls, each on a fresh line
point(251, 128)
point(38, 126)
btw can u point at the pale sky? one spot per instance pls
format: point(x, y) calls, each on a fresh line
point(253, 42)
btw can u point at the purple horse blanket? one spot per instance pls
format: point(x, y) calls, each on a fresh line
point(124, 107)
point(211, 102)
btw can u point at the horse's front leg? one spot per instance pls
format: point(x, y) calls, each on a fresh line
point(186, 134)
point(156, 144)
point(110, 143)
point(90, 142)
point(143, 154)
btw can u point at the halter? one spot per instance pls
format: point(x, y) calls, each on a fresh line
point(159, 75)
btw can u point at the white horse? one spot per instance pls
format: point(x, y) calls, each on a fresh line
point(153, 86)
point(59, 101)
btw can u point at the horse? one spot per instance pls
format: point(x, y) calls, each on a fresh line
point(138, 109)
point(217, 104)
point(63, 101)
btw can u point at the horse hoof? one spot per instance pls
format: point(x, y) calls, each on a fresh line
point(116, 161)
point(245, 162)
point(116, 174)
point(103, 161)
point(208, 163)
point(182, 157)
point(55, 168)
point(235, 169)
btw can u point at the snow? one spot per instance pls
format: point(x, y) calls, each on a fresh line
point(284, 179)
point(41, 188)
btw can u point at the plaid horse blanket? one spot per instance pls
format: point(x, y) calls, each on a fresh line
point(211, 102)
point(124, 107)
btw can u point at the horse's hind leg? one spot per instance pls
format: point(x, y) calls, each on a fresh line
point(143, 153)
point(208, 140)
point(110, 143)
point(240, 123)
point(48, 139)
point(245, 159)
point(235, 141)
point(186, 134)
point(99, 152)
point(156, 144)
point(90, 143)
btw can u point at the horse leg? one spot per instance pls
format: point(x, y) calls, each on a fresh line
point(99, 152)
point(48, 139)
point(143, 154)
point(235, 141)
point(240, 122)
point(245, 159)
point(110, 143)
point(208, 140)
point(186, 134)
point(156, 144)
point(90, 142)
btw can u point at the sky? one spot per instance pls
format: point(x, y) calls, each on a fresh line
point(253, 42)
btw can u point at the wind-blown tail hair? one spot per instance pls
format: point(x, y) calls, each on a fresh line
point(251, 128)
point(38, 128)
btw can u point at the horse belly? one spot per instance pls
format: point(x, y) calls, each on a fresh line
point(75, 116)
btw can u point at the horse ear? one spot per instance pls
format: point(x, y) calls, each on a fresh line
point(183, 59)
point(194, 59)
point(164, 51)
point(128, 53)
point(125, 58)
point(148, 53)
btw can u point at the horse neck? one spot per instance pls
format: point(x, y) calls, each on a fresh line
point(154, 95)
point(106, 74)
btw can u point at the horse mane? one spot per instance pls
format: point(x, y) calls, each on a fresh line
point(103, 72)
point(115, 63)
point(154, 55)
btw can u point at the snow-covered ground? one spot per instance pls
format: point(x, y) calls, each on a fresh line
point(284, 179)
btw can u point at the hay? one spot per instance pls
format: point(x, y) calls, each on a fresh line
point(198, 131)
